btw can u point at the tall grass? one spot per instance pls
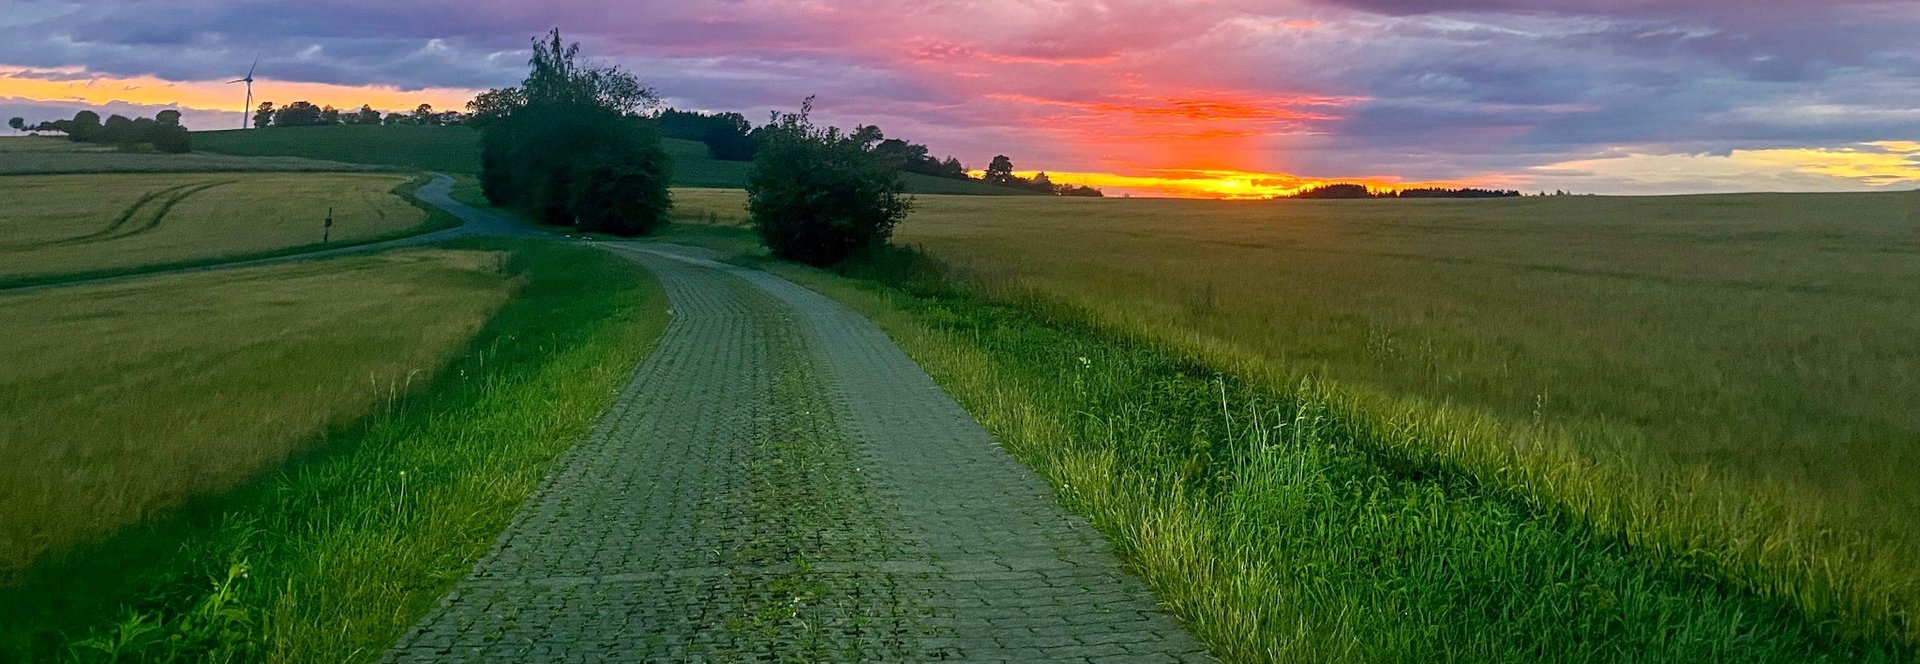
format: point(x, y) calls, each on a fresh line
point(1725, 380)
point(332, 557)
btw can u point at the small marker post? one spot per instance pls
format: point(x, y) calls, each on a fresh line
point(326, 229)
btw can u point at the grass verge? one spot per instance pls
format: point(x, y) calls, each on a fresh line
point(1281, 525)
point(332, 558)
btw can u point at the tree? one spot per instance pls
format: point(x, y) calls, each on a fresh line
point(17, 124)
point(172, 138)
point(168, 118)
point(329, 115)
point(867, 136)
point(366, 115)
point(393, 119)
point(423, 115)
point(569, 147)
point(1342, 190)
point(818, 195)
point(297, 114)
point(85, 127)
point(263, 115)
point(495, 106)
point(623, 191)
point(1000, 171)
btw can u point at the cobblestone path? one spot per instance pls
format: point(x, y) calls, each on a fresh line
point(779, 482)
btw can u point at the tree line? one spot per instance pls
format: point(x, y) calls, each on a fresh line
point(306, 114)
point(731, 137)
point(1347, 190)
point(162, 131)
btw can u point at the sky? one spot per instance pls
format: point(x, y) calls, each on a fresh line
point(1205, 98)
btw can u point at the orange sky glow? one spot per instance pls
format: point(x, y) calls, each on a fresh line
point(1196, 145)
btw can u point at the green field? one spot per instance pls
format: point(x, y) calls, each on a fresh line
point(62, 226)
point(21, 155)
point(290, 462)
point(1724, 382)
point(456, 150)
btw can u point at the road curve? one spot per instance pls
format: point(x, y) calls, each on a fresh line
point(779, 481)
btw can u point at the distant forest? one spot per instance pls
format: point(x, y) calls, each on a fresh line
point(1353, 191)
point(728, 137)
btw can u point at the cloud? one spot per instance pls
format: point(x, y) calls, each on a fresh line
point(1426, 90)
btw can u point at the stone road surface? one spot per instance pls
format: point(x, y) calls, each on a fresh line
point(779, 482)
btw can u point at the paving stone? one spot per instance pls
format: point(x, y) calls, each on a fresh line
point(779, 482)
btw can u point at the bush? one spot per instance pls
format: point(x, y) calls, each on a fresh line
point(622, 193)
point(819, 195)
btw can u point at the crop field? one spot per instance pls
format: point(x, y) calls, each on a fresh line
point(20, 155)
point(456, 150)
point(1723, 381)
point(62, 225)
point(125, 399)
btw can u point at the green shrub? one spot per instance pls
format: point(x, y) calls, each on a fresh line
point(817, 195)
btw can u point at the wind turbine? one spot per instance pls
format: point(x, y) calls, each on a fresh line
point(247, 112)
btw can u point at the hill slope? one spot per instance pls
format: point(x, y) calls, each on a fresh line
point(456, 150)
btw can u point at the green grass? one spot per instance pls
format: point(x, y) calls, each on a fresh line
point(63, 227)
point(331, 557)
point(456, 150)
point(29, 155)
point(1715, 385)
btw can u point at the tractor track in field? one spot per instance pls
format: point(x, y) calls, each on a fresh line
point(778, 481)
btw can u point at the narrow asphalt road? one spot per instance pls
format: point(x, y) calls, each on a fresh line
point(779, 482)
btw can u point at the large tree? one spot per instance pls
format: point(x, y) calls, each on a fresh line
point(1000, 171)
point(85, 127)
point(570, 147)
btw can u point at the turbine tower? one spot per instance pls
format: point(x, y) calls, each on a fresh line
point(247, 112)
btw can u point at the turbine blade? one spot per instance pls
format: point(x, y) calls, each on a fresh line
point(250, 68)
point(238, 80)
